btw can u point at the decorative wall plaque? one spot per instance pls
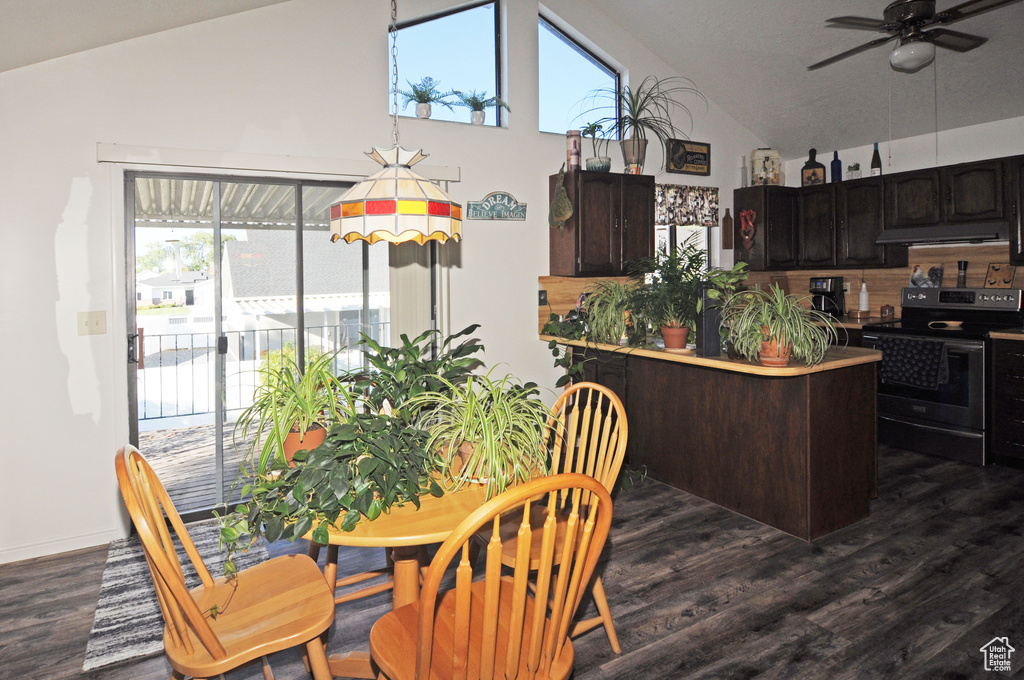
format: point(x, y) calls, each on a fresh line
point(497, 205)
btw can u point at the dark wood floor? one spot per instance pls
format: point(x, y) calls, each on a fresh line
point(914, 591)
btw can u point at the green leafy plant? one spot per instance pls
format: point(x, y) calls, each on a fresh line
point(368, 463)
point(643, 111)
point(572, 327)
point(757, 316)
point(486, 428)
point(395, 374)
point(427, 91)
point(592, 130)
point(478, 101)
point(606, 307)
point(286, 400)
point(666, 291)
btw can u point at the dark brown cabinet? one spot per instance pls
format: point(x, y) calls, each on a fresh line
point(765, 227)
point(604, 368)
point(1016, 201)
point(612, 224)
point(967, 192)
point(859, 219)
point(1007, 425)
point(816, 236)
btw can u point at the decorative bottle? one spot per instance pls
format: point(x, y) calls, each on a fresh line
point(813, 172)
point(864, 301)
point(743, 173)
point(727, 225)
point(837, 167)
point(876, 162)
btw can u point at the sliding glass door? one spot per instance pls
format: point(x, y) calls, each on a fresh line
point(226, 274)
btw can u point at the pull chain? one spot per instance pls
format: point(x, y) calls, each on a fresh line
point(393, 30)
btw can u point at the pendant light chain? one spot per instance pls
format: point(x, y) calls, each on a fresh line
point(393, 30)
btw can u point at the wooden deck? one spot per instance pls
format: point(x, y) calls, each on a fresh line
point(184, 459)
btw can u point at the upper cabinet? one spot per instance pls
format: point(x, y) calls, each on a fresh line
point(860, 218)
point(968, 192)
point(765, 227)
point(816, 227)
point(612, 224)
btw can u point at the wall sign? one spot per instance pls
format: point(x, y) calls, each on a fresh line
point(497, 205)
point(690, 158)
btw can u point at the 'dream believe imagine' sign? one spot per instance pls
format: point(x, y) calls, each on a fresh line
point(497, 205)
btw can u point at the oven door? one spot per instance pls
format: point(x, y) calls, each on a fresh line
point(948, 421)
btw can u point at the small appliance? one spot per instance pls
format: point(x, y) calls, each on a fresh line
point(827, 295)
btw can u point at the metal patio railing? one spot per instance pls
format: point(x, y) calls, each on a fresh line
point(176, 376)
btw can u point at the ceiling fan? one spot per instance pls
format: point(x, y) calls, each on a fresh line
point(905, 21)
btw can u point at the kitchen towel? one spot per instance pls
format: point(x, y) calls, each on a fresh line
point(916, 362)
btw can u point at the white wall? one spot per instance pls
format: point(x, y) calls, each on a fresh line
point(960, 145)
point(301, 79)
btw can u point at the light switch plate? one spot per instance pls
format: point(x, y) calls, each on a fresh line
point(92, 323)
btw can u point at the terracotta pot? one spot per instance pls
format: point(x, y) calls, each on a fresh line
point(675, 336)
point(773, 355)
point(309, 440)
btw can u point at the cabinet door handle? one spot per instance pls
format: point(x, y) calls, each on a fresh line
point(615, 223)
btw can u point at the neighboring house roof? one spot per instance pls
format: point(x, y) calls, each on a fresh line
point(263, 266)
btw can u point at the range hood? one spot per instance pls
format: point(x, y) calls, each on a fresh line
point(967, 232)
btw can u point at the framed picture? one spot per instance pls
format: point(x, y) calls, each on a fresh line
point(811, 176)
point(1000, 275)
point(689, 158)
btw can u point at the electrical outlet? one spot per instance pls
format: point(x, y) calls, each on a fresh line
point(92, 323)
point(542, 298)
point(846, 286)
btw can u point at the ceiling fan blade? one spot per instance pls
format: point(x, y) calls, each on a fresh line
point(860, 23)
point(954, 40)
point(849, 53)
point(969, 9)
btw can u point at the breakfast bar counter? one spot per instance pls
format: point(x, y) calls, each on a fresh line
point(793, 447)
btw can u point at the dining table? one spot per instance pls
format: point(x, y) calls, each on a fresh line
point(406, 530)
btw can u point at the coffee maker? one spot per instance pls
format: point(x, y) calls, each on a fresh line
point(827, 295)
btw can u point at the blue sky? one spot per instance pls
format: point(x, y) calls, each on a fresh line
point(458, 50)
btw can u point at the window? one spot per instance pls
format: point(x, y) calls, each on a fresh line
point(568, 72)
point(459, 50)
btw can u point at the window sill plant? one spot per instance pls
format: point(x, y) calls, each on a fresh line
point(477, 103)
point(424, 93)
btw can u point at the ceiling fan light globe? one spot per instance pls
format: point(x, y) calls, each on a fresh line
point(911, 56)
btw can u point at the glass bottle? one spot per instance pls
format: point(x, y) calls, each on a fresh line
point(743, 172)
point(837, 167)
point(876, 162)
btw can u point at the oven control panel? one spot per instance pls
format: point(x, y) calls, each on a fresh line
point(1001, 299)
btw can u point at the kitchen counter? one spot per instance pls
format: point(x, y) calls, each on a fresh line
point(1015, 334)
point(837, 357)
point(793, 448)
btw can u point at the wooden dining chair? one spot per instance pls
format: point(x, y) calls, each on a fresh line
point(493, 627)
point(587, 434)
point(223, 623)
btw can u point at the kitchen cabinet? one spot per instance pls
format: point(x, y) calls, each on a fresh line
point(816, 236)
point(967, 192)
point(603, 368)
point(765, 227)
point(1016, 201)
point(1007, 402)
point(859, 219)
point(612, 224)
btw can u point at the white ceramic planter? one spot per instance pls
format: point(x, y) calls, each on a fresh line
point(423, 110)
point(477, 117)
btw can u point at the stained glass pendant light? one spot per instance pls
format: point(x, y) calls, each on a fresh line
point(395, 204)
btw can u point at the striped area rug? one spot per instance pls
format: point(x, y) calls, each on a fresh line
point(128, 624)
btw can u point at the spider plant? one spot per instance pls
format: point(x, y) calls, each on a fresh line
point(756, 317)
point(606, 307)
point(486, 428)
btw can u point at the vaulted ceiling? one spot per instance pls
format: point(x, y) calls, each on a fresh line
point(749, 57)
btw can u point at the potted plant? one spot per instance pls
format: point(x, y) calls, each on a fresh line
point(666, 293)
point(424, 93)
point(598, 162)
point(291, 409)
point(392, 375)
point(636, 114)
point(606, 309)
point(476, 102)
point(486, 429)
point(773, 327)
point(368, 463)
